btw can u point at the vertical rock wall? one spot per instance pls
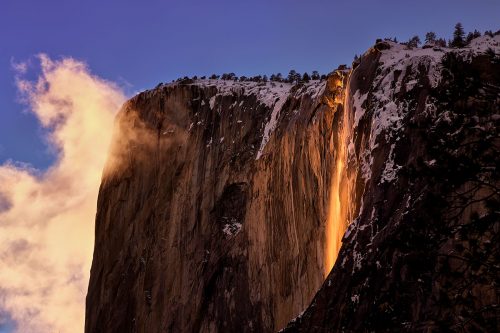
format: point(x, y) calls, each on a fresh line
point(211, 212)
point(423, 253)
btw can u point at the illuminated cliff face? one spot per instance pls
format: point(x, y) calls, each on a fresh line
point(339, 202)
point(226, 238)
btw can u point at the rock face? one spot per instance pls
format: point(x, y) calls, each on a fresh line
point(212, 207)
point(422, 254)
point(215, 204)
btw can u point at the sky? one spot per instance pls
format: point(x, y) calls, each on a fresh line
point(138, 44)
point(67, 65)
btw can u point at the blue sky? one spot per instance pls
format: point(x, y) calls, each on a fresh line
point(142, 42)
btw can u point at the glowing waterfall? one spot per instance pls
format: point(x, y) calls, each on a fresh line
point(339, 205)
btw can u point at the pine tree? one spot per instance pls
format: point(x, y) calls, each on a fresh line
point(414, 41)
point(315, 75)
point(471, 36)
point(430, 37)
point(306, 77)
point(256, 78)
point(458, 36)
point(441, 42)
point(293, 76)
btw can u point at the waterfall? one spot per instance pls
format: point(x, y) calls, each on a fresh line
point(340, 207)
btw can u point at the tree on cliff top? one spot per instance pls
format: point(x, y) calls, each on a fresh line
point(472, 35)
point(458, 36)
point(306, 77)
point(430, 37)
point(414, 41)
point(293, 76)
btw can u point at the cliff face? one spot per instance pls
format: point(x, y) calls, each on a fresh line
point(211, 213)
point(422, 253)
point(223, 203)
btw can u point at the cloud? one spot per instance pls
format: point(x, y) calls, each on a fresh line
point(47, 218)
point(19, 67)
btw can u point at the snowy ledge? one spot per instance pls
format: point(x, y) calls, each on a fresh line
point(397, 62)
point(271, 94)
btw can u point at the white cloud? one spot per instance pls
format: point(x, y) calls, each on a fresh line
point(19, 67)
point(47, 218)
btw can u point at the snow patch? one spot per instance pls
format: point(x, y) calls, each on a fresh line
point(357, 102)
point(481, 44)
point(357, 258)
point(391, 169)
point(271, 124)
point(212, 102)
point(232, 228)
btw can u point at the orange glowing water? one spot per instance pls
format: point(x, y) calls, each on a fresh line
point(339, 205)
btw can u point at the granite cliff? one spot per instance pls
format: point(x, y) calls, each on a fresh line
point(211, 211)
point(422, 251)
point(223, 203)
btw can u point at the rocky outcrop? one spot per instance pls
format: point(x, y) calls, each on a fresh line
point(212, 207)
point(422, 254)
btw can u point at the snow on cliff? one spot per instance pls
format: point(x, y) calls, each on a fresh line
point(273, 95)
point(400, 69)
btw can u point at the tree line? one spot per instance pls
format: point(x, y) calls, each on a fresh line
point(292, 77)
point(459, 39)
